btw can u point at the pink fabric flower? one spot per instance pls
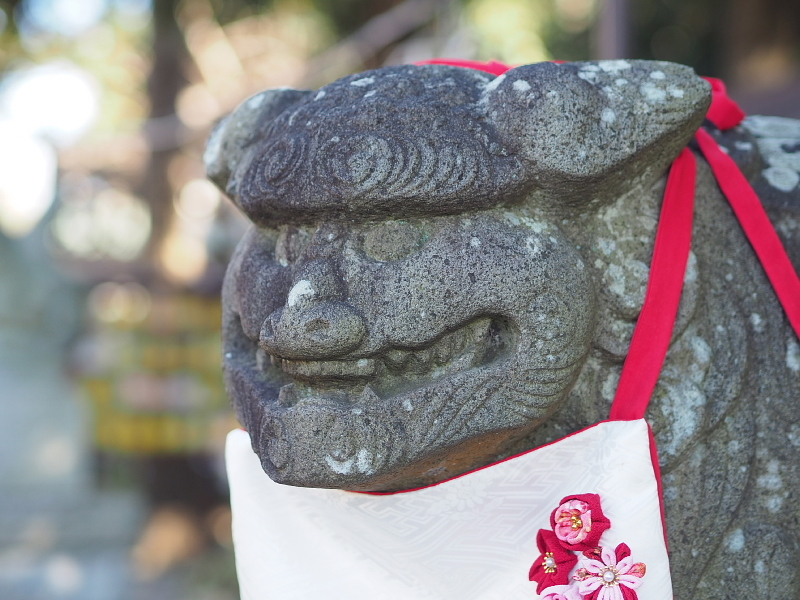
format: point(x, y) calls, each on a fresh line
point(554, 564)
point(614, 577)
point(579, 522)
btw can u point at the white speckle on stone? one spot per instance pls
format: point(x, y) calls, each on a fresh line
point(512, 218)
point(407, 405)
point(621, 81)
point(772, 127)
point(781, 178)
point(532, 245)
point(691, 269)
point(681, 406)
point(723, 148)
point(757, 322)
point(590, 67)
point(554, 240)
point(320, 95)
point(616, 276)
point(774, 503)
point(423, 314)
point(370, 93)
point(614, 66)
point(356, 411)
point(342, 467)
point(301, 288)
point(589, 76)
point(606, 246)
point(657, 75)
point(331, 236)
point(735, 541)
point(608, 115)
point(552, 95)
point(701, 349)
point(729, 277)
point(675, 92)
point(362, 362)
point(214, 146)
point(521, 85)
point(475, 242)
point(492, 85)
point(364, 461)
point(733, 446)
point(759, 566)
point(609, 387)
point(771, 480)
point(599, 264)
point(363, 82)
point(794, 435)
point(229, 355)
point(793, 356)
point(652, 93)
point(256, 101)
point(744, 146)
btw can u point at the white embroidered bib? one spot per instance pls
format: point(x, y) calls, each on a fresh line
point(472, 537)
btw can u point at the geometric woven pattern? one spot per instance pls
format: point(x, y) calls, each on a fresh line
point(470, 538)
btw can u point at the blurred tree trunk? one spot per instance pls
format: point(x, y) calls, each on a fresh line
point(164, 129)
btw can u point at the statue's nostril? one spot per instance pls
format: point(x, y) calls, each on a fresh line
point(315, 325)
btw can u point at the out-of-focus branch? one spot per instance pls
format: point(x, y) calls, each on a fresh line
point(374, 36)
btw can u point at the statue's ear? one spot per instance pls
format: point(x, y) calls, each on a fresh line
point(584, 130)
point(236, 133)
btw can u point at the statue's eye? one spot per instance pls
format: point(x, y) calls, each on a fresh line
point(393, 240)
point(290, 244)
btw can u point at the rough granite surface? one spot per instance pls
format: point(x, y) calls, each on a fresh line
point(446, 267)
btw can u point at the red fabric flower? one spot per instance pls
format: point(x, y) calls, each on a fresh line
point(554, 564)
point(579, 522)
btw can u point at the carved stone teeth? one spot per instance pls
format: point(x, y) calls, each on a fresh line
point(261, 359)
point(368, 396)
point(396, 359)
point(443, 350)
point(425, 357)
point(288, 396)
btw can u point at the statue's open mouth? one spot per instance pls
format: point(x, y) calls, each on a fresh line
point(393, 370)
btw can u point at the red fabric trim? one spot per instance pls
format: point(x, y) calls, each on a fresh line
point(723, 112)
point(757, 226)
point(659, 484)
point(480, 468)
point(653, 331)
point(494, 67)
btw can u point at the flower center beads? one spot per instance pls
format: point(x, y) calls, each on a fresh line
point(549, 563)
point(609, 577)
point(577, 523)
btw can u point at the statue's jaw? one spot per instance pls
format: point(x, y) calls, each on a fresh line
point(398, 420)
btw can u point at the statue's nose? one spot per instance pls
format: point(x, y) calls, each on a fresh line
point(314, 323)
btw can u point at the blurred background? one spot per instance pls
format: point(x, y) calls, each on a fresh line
point(113, 245)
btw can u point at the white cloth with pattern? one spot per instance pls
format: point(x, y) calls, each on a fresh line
point(470, 538)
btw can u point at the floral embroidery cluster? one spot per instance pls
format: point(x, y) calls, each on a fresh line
point(602, 574)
